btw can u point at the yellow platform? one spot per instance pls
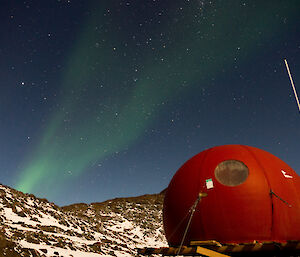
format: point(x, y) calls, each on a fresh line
point(213, 248)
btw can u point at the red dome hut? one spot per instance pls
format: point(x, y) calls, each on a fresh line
point(251, 195)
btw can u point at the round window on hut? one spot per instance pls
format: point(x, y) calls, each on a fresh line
point(231, 172)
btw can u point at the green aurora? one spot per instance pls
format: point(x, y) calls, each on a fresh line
point(93, 120)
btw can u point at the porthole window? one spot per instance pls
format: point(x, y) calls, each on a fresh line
point(231, 172)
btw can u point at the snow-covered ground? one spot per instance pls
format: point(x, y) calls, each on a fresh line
point(113, 228)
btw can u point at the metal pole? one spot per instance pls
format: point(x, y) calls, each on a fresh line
point(193, 209)
point(291, 79)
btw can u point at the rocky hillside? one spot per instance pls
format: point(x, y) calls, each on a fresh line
point(35, 227)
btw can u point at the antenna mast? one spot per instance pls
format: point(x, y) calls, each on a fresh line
point(294, 89)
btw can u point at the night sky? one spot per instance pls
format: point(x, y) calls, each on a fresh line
point(105, 99)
